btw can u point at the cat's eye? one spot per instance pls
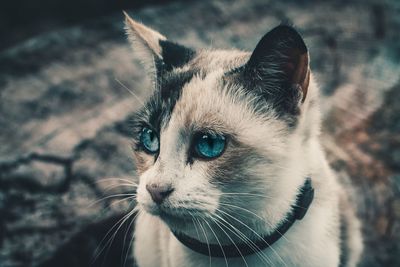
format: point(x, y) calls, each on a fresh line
point(209, 146)
point(149, 140)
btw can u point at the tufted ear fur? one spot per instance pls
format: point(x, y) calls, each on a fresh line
point(153, 49)
point(278, 69)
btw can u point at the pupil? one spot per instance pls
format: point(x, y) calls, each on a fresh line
point(210, 142)
point(149, 140)
point(151, 134)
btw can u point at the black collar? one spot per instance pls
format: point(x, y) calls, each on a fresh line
point(300, 208)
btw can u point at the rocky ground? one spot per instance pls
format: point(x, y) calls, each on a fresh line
point(64, 120)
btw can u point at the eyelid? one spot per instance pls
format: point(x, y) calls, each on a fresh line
point(211, 131)
point(197, 135)
point(139, 126)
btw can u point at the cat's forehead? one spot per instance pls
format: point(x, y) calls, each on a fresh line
point(203, 103)
point(211, 60)
point(198, 97)
point(197, 81)
point(208, 104)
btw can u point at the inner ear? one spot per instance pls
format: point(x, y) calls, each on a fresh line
point(280, 60)
point(301, 73)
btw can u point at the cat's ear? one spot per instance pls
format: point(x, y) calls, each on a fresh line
point(153, 49)
point(279, 65)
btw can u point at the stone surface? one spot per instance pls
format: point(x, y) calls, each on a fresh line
point(65, 112)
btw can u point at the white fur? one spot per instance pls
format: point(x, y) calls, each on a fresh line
point(313, 241)
point(310, 242)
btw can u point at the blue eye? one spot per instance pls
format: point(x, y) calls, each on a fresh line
point(149, 140)
point(209, 145)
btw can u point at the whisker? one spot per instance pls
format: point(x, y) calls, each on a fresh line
point(249, 211)
point(116, 179)
point(116, 232)
point(130, 91)
point(245, 239)
point(131, 241)
point(241, 236)
point(125, 235)
point(226, 213)
point(219, 243)
point(229, 237)
point(111, 196)
point(208, 244)
point(246, 194)
point(122, 200)
point(108, 188)
point(121, 222)
point(195, 226)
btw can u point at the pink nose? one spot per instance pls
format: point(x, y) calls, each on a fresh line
point(159, 192)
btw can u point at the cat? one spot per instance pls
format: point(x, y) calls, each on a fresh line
point(231, 170)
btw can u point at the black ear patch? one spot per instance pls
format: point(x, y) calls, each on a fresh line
point(174, 55)
point(283, 44)
point(278, 69)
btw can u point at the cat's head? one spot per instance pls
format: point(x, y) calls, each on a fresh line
point(225, 131)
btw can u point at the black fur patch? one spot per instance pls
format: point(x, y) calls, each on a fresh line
point(170, 91)
point(175, 55)
point(268, 72)
point(277, 43)
point(157, 111)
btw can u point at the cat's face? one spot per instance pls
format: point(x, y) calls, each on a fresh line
point(219, 134)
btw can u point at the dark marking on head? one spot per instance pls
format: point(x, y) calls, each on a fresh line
point(171, 90)
point(174, 55)
point(171, 85)
point(158, 109)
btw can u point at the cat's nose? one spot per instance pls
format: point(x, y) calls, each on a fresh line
point(159, 192)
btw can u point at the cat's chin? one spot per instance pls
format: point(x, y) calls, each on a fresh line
point(176, 220)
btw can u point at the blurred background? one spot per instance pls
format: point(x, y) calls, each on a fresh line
point(64, 113)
